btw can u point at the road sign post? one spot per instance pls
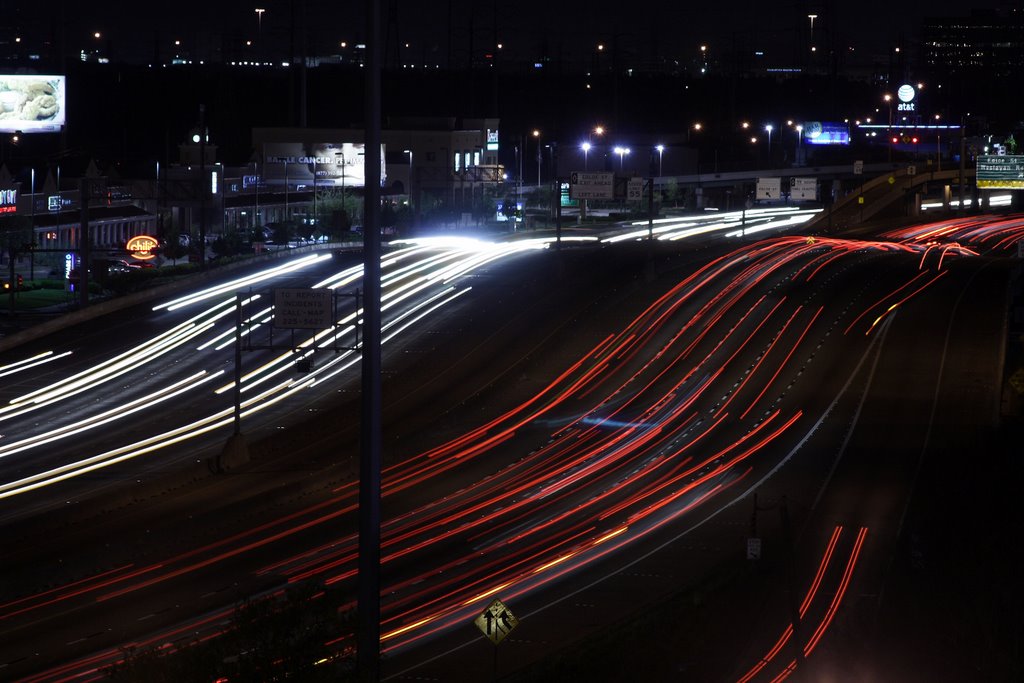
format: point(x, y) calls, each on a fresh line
point(496, 622)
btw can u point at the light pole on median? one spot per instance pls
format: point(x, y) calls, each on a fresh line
point(622, 152)
point(661, 152)
point(536, 135)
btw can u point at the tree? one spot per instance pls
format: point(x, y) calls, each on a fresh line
point(269, 639)
point(16, 238)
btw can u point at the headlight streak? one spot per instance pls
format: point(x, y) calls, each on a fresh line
point(241, 283)
point(121, 411)
point(123, 362)
point(114, 456)
point(264, 317)
point(223, 314)
point(33, 362)
point(88, 380)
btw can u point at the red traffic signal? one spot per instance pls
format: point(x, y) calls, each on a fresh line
point(914, 140)
point(895, 139)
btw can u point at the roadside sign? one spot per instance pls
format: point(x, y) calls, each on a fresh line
point(753, 548)
point(311, 309)
point(769, 188)
point(858, 167)
point(635, 189)
point(496, 621)
point(591, 185)
point(911, 170)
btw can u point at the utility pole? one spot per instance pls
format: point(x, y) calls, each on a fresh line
point(557, 195)
point(368, 597)
point(84, 242)
point(202, 186)
point(963, 150)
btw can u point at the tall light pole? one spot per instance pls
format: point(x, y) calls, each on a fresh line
point(622, 152)
point(536, 135)
point(259, 22)
point(888, 131)
point(661, 152)
point(586, 149)
point(409, 189)
point(768, 129)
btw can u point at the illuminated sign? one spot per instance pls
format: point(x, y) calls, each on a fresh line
point(31, 104)
point(826, 133)
point(906, 94)
point(141, 247)
point(331, 164)
point(492, 140)
point(69, 265)
point(8, 201)
point(1001, 171)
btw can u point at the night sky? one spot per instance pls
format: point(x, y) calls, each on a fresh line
point(526, 27)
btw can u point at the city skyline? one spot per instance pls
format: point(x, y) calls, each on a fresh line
point(441, 34)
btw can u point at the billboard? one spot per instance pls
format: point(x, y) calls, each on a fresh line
point(32, 104)
point(332, 164)
point(1001, 171)
point(826, 133)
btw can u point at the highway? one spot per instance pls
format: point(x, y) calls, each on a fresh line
point(592, 417)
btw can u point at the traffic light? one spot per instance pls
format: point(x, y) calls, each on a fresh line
point(914, 139)
point(895, 139)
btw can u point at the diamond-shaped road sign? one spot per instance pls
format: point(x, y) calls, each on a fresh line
point(496, 621)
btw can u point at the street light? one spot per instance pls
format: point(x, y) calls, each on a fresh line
point(768, 129)
point(661, 152)
point(586, 149)
point(536, 134)
point(622, 152)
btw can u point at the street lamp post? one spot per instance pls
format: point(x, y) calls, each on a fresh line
point(661, 152)
point(768, 129)
point(536, 135)
point(888, 131)
point(586, 149)
point(622, 152)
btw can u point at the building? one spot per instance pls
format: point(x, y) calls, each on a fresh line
point(987, 42)
point(433, 162)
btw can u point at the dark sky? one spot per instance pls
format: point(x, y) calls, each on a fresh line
point(526, 27)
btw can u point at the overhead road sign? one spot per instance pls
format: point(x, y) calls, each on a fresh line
point(1001, 171)
point(769, 188)
point(592, 185)
point(803, 189)
point(310, 309)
